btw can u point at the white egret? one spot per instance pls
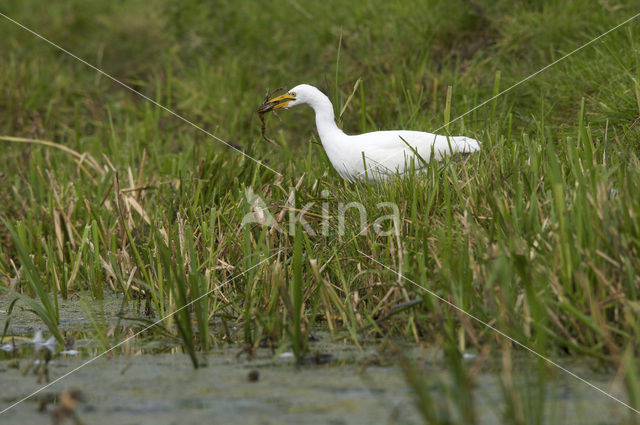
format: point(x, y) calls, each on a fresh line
point(376, 155)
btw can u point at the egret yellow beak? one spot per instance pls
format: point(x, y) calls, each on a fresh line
point(281, 101)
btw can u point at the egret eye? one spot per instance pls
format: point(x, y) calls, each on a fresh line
point(292, 93)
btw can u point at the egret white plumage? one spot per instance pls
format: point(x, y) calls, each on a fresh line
point(376, 155)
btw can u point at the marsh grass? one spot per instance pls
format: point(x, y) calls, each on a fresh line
point(538, 234)
point(38, 299)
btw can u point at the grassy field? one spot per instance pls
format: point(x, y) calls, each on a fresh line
point(539, 235)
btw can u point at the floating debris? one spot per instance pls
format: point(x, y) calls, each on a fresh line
point(319, 358)
point(8, 347)
point(69, 349)
point(42, 366)
point(39, 342)
point(253, 376)
point(67, 404)
point(43, 353)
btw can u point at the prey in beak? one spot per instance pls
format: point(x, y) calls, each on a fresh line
point(279, 102)
point(272, 103)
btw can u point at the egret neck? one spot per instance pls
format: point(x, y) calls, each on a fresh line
point(330, 134)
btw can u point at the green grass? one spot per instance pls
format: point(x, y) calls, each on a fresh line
point(538, 235)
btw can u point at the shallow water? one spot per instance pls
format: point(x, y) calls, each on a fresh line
point(72, 314)
point(359, 386)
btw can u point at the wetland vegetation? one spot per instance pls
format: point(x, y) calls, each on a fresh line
point(121, 225)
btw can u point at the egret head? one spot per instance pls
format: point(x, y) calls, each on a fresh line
point(299, 95)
